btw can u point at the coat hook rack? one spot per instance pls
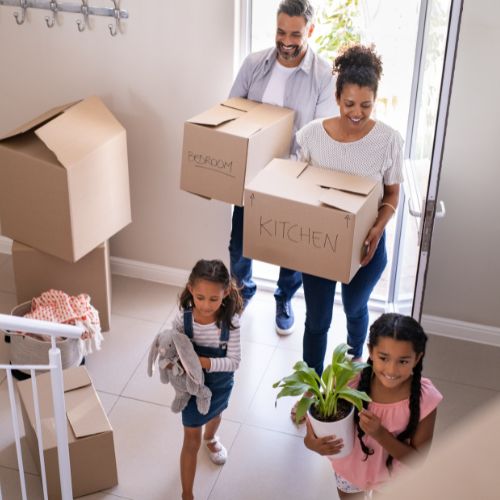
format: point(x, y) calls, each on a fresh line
point(54, 8)
point(81, 7)
point(85, 12)
point(24, 5)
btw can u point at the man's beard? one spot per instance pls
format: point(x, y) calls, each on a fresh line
point(289, 56)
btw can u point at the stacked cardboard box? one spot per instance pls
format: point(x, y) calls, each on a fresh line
point(90, 436)
point(64, 191)
point(226, 146)
point(310, 219)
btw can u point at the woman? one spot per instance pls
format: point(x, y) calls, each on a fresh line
point(357, 144)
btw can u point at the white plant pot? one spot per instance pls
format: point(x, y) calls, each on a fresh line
point(343, 429)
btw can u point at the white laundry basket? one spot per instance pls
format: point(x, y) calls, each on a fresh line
point(28, 350)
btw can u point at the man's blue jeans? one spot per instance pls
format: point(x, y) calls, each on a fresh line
point(241, 268)
point(320, 294)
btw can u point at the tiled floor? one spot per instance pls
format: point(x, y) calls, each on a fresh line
point(267, 458)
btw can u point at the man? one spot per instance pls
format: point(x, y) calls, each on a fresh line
point(290, 75)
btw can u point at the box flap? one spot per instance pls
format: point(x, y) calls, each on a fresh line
point(79, 131)
point(240, 103)
point(347, 202)
point(216, 116)
point(75, 378)
point(242, 128)
point(291, 168)
point(36, 121)
point(87, 418)
point(339, 180)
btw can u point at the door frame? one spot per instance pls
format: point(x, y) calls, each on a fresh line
point(430, 211)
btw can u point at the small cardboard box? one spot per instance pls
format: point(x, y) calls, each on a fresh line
point(64, 185)
point(309, 219)
point(227, 145)
point(36, 272)
point(90, 436)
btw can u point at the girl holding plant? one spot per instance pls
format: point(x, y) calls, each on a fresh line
point(399, 421)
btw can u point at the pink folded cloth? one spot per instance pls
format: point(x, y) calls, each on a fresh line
point(59, 307)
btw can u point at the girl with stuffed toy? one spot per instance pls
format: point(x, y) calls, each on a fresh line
point(399, 421)
point(210, 306)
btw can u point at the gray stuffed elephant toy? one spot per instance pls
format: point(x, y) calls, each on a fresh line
point(179, 365)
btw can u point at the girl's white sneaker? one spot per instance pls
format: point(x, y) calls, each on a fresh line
point(219, 456)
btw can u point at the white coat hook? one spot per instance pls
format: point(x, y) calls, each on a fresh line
point(24, 5)
point(53, 7)
point(85, 12)
point(116, 14)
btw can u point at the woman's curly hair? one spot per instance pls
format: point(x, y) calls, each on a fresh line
point(359, 65)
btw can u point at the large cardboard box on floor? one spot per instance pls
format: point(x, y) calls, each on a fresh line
point(227, 145)
point(90, 436)
point(309, 219)
point(36, 272)
point(64, 184)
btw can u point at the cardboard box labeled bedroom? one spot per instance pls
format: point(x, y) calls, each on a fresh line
point(310, 219)
point(90, 436)
point(64, 183)
point(226, 146)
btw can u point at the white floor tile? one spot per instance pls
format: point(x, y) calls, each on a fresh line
point(255, 359)
point(148, 441)
point(271, 465)
point(263, 411)
point(143, 299)
point(458, 403)
point(107, 401)
point(122, 350)
point(148, 389)
point(10, 485)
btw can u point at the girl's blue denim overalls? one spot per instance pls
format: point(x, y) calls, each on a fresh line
point(220, 383)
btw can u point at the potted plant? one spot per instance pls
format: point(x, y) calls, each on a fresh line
point(329, 399)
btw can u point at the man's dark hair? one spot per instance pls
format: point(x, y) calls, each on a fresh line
point(297, 8)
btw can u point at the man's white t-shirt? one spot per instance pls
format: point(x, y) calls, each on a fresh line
point(275, 90)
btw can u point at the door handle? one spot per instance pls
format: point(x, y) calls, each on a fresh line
point(418, 213)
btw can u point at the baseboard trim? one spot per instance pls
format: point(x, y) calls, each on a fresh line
point(149, 272)
point(461, 330)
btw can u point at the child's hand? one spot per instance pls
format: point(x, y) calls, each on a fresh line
point(205, 362)
point(328, 445)
point(370, 423)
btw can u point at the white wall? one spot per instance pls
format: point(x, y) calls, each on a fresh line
point(174, 60)
point(464, 273)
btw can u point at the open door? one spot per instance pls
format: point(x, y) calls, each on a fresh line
point(433, 77)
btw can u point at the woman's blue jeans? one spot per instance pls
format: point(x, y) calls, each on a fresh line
point(320, 294)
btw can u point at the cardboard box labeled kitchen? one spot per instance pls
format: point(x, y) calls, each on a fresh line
point(90, 436)
point(227, 145)
point(36, 272)
point(310, 219)
point(64, 185)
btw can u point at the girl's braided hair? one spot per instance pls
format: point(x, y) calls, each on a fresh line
point(216, 272)
point(397, 327)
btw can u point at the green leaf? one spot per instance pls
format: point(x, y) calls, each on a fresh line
point(355, 397)
point(302, 407)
